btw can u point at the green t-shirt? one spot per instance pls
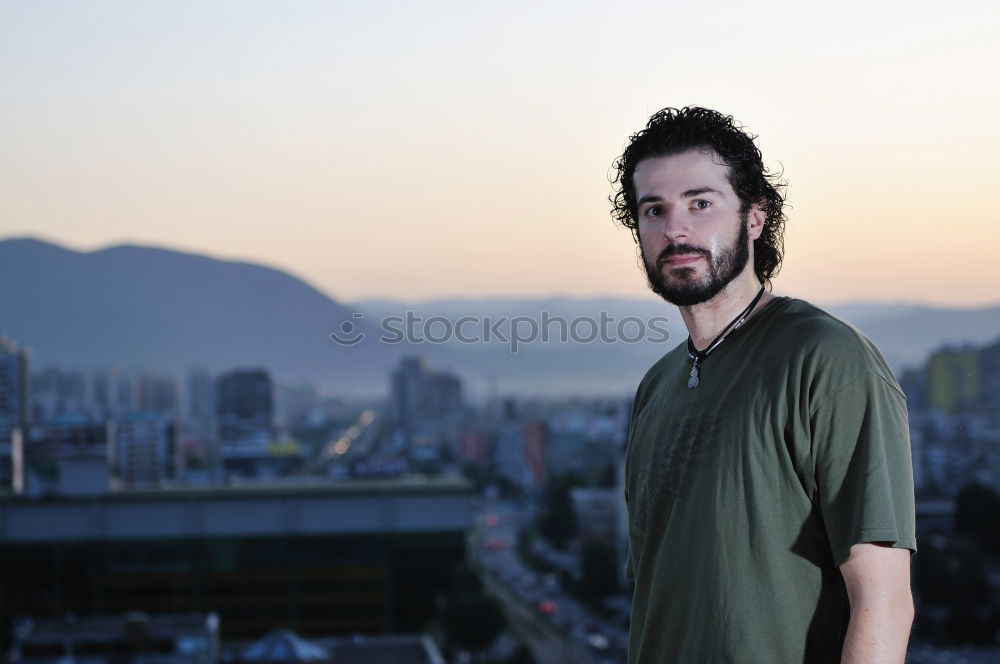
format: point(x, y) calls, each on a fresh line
point(747, 492)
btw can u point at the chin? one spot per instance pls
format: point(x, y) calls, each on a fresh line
point(681, 277)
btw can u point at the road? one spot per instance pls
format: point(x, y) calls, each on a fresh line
point(571, 633)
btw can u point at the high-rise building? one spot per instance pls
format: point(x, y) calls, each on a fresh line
point(583, 441)
point(405, 383)
point(244, 409)
point(473, 446)
point(596, 512)
point(953, 382)
point(100, 403)
point(199, 419)
point(57, 391)
point(534, 432)
point(145, 448)
point(112, 392)
point(989, 369)
point(15, 390)
point(442, 395)
point(156, 393)
point(419, 395)
point(914, 384)
point(15, 411)
point(295, 403)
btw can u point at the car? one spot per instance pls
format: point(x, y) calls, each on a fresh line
point(547, 607)
point(597, 641)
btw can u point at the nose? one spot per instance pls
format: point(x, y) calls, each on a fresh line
point(675, 223)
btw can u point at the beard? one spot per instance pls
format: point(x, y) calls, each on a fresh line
point(682, 289)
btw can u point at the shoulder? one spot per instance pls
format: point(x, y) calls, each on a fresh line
point(829, 352)
point(819, 333)
point(808, 320)
point(676, 357)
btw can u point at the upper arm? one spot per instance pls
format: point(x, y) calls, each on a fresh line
point(878, 574)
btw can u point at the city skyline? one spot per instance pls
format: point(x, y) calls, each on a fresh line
point(399, 152)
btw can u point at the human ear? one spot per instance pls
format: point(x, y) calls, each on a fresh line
point(756, 220)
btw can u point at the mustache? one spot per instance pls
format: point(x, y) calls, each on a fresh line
point(678, 249)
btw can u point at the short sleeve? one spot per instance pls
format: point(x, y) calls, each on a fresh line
point(864, 470)
point(629, 569)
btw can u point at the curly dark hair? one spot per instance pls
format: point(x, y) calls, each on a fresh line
point(673, 131)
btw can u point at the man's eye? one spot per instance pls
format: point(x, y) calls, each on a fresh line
point(653, 211)
point(702, 204)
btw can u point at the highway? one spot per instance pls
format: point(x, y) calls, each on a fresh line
point(570, 633)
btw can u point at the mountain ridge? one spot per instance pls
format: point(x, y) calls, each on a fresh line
point(159, 308)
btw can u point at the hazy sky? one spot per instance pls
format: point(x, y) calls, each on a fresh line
point(422, 149)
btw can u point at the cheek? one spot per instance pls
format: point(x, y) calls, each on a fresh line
point(650, 244)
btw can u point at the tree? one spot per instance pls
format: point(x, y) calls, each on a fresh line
point(977, 513)
point(472, 619)
point(608, 478)
point(933, 575)
point(558, 520)
point(521, 656)
point(598, 569)
point(971, 618)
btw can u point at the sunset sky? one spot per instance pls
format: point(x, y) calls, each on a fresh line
point(424, 149)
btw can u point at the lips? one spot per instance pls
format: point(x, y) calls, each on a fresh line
point(681, 259)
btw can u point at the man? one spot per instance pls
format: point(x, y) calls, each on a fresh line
point(768, 472)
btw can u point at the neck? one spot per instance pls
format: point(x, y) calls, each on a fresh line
point(709, 319)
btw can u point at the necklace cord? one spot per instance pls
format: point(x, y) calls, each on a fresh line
point(699, 355)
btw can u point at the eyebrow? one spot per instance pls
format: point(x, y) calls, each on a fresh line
point(690, 193)
point(698, 192)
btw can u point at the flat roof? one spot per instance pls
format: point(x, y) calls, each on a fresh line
point(280, 509)
point(316, 486)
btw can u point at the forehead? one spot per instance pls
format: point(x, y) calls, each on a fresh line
point(677, 173)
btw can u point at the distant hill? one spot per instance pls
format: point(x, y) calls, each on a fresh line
point(906, 333)
point(148, 307)
point(552, 367)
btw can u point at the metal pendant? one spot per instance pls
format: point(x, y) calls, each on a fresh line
point(694, 380)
